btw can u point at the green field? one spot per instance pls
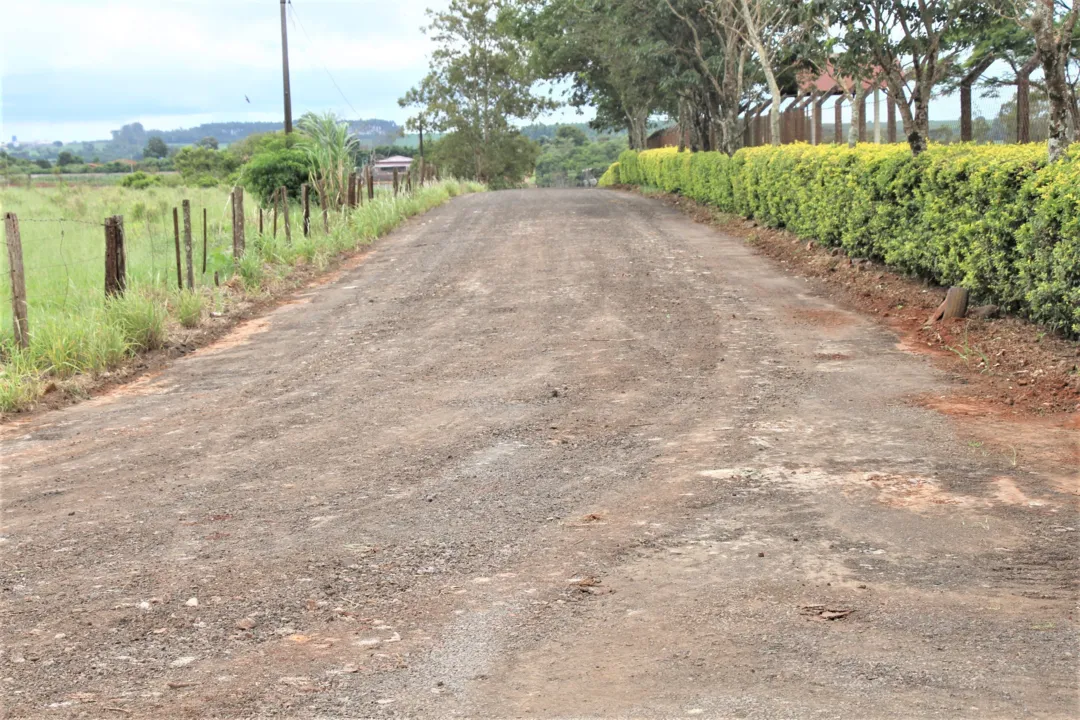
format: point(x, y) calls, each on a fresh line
point(74, 329)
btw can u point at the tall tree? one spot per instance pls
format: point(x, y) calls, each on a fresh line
point(916, 45)
point(156, 148)
point(479, 80)
point(1053, 25)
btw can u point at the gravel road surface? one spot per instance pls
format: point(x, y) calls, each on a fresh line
point(541, 454)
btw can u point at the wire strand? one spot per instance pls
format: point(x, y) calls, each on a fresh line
point(296, 20)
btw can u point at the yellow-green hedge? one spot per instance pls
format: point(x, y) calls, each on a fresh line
point(610, 176)
point(994, 219)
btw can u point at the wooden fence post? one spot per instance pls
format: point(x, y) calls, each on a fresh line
point(305, 202)
point(260, 220)
point(422, 171)
point(285, 213)
point(370, 184)
point(176, 237)
point(408, 180)
point(395, 182)
point(204, 241)
point(238, 223)
point(18, 279)
point(115, 263)
point(275, 212)
point(186, 204)
point(360, 189)
point(350, 194)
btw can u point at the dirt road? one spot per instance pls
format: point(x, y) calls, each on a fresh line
point(542, 454)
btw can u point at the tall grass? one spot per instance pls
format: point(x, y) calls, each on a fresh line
point(74, 329)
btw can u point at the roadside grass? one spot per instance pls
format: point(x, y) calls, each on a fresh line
point(75, 330)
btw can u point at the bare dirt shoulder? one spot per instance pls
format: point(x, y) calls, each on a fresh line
point(1008, 365)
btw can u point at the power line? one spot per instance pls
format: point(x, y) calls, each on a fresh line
point(296, 21)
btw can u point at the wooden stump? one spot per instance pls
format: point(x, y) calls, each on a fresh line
point(953, 306)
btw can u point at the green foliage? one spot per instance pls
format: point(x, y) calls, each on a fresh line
point(140, 180)
point(189, 307)
point(995, 220)
point(155, 148)
point(330, 150)
point(611, 176)
point(275, 166)
point(507, 160)
point(195, 163)
point(570, 159)
point(67, 158)
point(141, 318)
point(480, 79)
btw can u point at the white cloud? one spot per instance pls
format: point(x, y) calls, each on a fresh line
point(59, 35)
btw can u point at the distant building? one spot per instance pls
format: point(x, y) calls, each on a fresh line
point(667, 137)
point(400, 162)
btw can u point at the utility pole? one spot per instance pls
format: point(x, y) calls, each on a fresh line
point(285, 70)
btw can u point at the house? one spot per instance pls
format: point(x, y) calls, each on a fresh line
point(400, 162)
point(667, 137)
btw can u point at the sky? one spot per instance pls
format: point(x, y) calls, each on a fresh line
point(73, 70)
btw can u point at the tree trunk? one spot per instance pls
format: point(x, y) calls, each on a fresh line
point(858, 108)
point(1053, 45)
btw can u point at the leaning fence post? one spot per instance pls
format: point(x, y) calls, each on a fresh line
point(18, 279)
point(238, 223)
point(186, 204)
point(305, 201)
point(176, 238)
point(285, 212)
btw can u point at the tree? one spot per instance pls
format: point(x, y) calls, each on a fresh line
point(1053, 24)
point(571, 135)
point(58, 143)
point(479, 81)
point(208, 142)
point(156, 148)
point(68, 158)
point(198, 162)
point(916, 45)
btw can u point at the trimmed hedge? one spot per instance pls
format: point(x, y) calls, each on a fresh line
point(996, 220)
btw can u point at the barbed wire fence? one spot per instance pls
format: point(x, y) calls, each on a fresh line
point(52, 266)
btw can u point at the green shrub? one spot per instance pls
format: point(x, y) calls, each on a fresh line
point(610, 176)
point(993, 219)
point(140, 180)
point(271, 169)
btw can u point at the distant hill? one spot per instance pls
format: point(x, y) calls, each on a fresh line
point(128, 142)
